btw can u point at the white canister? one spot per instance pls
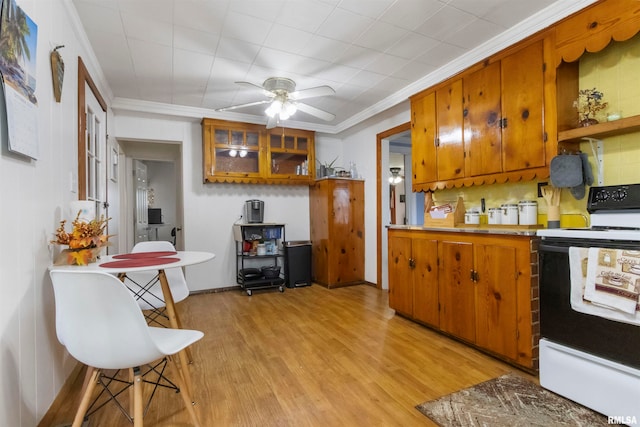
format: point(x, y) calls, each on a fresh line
point(495, 216)
point(472, 217)
point(509, 214)
point(528, 212)
point(262, 249)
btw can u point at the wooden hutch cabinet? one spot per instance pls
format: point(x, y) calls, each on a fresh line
point(248, 153)
point(336, 207)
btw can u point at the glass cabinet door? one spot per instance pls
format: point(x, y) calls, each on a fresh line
point(236, 152)
point(290, 155)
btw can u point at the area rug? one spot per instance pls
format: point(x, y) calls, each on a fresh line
point(509, 400)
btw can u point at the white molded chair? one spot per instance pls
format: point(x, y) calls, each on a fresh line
point(100, 324)
point(146, 286)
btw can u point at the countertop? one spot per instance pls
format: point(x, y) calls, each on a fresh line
point(483, 229)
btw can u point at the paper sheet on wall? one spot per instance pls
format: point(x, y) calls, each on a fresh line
point(22, 129)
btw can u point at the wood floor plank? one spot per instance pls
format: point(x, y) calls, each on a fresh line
point(308, 357)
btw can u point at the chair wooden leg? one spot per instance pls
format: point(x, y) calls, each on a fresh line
point(171, 307)
point(86, 397)
point(185, 374)
point(137, 398)
point(184, 392)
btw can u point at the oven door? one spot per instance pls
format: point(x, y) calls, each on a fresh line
point(616, 341)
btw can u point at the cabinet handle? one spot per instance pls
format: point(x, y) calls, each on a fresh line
point(503, 123)
point(473, 275)
point(412, 263)
point(436, 142)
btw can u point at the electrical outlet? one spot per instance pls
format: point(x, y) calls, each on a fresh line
point(540, 185)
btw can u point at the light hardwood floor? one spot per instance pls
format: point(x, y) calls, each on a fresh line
point(306, 357)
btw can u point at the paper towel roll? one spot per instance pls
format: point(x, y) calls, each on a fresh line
point(86, 208)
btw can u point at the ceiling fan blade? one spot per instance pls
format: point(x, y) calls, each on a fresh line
point(249, 104)
point(272, 122)
point(306, 108)
point(255, 86)
point(312, 92)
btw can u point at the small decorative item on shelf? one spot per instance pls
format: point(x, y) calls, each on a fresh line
point(85, 241)
point(588, 104)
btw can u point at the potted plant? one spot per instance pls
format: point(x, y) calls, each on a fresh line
point(588, 104)
point(326, 168)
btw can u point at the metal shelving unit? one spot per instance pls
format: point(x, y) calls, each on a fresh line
point(249, 263)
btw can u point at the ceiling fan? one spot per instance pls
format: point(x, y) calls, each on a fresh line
point(284, 100)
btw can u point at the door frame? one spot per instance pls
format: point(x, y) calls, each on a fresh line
point(380, 180)
point(85, 79)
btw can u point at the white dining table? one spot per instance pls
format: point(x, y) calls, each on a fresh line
point(120, 265)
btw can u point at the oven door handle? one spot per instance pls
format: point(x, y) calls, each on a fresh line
point(553, 248)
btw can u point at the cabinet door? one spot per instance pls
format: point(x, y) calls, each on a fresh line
point(425, 281)
point(423, 133)
point(290, 154)
point(482, 116)
point(400, 275)
point(449, 120)
point(523, 143)
point(456, 289)
point(496, 299)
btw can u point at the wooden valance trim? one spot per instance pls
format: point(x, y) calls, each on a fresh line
point(517, 176)
point(594, 28)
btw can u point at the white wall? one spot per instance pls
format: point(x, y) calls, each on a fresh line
point(35, 195)
point(210, 210)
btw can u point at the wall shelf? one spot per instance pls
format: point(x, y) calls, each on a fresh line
point(601, 130)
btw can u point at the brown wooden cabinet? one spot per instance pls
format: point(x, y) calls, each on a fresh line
point(336, 208)
point(476, 287)
point(486, 125)
point(423, 135)
point(449, 141)
point(248, 153)
point(523, 140)
point(482, 118)
point(456, 289)
point(413, 277)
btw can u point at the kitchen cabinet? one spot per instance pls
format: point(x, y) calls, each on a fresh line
point(480, 288)
point(248, 153)
point(290, 155)
point(336, 207)
point(449, 141)
point(413, 277)
point(456, 289)
point(489, 122)
point(423, 135)
point(482, 117)
point(523, 140)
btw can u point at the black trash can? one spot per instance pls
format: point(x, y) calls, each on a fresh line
point(297, 261)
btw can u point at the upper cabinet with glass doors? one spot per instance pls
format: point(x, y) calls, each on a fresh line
point(247, 153)
point(291, 155)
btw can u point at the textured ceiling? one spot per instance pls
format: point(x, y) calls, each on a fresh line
point(374, 53)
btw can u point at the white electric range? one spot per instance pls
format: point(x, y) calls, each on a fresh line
point(592, 360)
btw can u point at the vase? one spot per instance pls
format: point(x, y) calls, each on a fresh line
point(588, 122)
point(82, 256)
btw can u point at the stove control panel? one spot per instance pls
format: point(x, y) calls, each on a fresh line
point(614, 197)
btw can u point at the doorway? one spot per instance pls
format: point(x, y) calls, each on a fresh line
point(394, 150)
point(154, 209)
